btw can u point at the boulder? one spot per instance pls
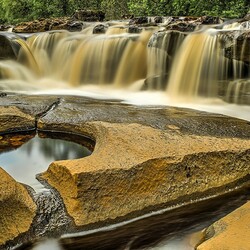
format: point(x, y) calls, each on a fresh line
point(5, 27)
point(8, 47)
point(181, 26)
point(17, 208)
point(138, 20)
point(208, 20)
point(88, 16)
point(239, 48)
point(158, 19)
point(100, 29)
point(230, 232)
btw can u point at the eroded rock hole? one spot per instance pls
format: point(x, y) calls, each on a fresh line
point(24, 156)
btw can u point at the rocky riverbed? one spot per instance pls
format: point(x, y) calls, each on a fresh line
point(144, 159)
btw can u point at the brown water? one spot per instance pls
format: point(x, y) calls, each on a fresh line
point(186, 65)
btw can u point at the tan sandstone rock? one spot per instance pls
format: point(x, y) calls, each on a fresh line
point(135, 168)
point(231, 232)
point(13, 119)
point(17, 209)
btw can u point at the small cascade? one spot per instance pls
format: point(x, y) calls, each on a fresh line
point(186, 65)
point(77, 58)
point(238, 92)
point(202, 69)
point(196, 67)
point(162, 48)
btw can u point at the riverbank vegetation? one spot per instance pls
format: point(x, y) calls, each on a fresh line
point(13, 11)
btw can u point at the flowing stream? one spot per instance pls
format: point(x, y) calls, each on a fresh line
point(150, 67)
point(154, 66)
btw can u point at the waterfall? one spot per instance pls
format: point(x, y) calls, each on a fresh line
point(196, 66)
point(207, 63)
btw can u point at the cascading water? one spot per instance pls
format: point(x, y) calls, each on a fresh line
point(186, 65)
point(196, 67)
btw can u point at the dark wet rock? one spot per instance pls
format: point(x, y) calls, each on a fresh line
point(247, 17)
point(240, 48)
point(156, 82)
point(181, 26)
point(8, 47)
point(88, 15)
point(51, 217)
point(165, 44)
point(75, 26)
point(41, 25)
point(206, 20)
point(134, 29)
point(138, 20)
point(100, 29)
point(167, 40)
point(238, 92)
point(48, 24)
point(32, 106)
point(5, 27)
point(158, 19)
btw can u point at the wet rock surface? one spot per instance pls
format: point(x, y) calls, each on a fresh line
point(145, 158)
point(240, 48)
point(8, 48)
point(230, 232)
point(12, 119)
point(17, 208)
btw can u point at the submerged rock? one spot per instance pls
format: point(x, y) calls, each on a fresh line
point(230, 232)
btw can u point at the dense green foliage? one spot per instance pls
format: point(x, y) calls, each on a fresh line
point(20, 10)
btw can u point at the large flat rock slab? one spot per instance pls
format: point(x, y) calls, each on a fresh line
point(230, 232)
point(144, 158)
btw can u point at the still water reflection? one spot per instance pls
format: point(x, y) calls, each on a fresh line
point(34, 157)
